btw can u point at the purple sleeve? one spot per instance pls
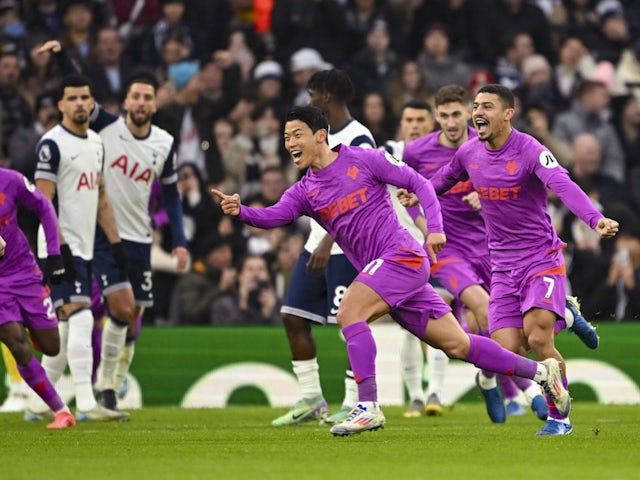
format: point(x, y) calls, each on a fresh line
point(574, 198)
point(35, 201)
point(450, 174)
point(397, 173)
point(414, 212)
point(289, 207)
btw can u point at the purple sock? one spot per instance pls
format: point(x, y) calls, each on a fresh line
point(560, 325)
point(487, 354)
point(361, 348)
point(136, 332)
point(34, 375)
point(522, 383)
point(96, 346)
point(508, 386)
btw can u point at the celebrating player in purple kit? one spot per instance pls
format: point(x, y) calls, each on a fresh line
point(24, 296)
point(511, 172)
point(345, 190)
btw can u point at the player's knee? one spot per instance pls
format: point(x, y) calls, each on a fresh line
point(20, 350)
point(539, 340)
point(295, 325)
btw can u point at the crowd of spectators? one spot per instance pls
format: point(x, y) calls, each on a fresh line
point(230, 69)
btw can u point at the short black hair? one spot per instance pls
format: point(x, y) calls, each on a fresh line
point(506, 95)
point(141, 75)
point(73, 80)
point(334, 81)
point(312, 116)
point(418, 105)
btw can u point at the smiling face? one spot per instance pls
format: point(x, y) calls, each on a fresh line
point(453, 118)
point(302, 143)
point(492, 119)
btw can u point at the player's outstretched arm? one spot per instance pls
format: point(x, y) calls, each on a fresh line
point(607, 227)
point(230, 203)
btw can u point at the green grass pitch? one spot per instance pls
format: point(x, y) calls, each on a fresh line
point(239, 443)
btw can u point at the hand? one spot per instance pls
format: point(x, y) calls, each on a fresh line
point(121, 259)
point(607, 228)
point(50, 46)
point(3, 244)
point(473, 200)
point(69, 263)
point(182, 255)
point(435, 244)
point(54, 272)
point(320, 257)
point(407, 199)
point(230, 203)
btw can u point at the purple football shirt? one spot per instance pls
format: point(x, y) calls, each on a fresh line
point(463, 226)
point(349, 198)
point(512, 183)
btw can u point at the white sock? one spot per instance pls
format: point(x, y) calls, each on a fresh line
point(532, 391)
point(568, 317)
point(437, 362)
point(124, 363)
point(541, 373)
point(487, 383)
point(370, 406)
point(307, 372)
point(412, 363)
point(113, 338)
point(81, 358)
point(53, 367)
point(350, 390)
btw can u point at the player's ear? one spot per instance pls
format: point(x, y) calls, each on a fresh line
point(509, 113)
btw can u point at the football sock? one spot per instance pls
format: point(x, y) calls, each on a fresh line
point(437, 362)
point(124, 363)
point(508, 387)
point(362, 356)
point(307, 373)
point(96, 347)
point(487, 354)
point(114, 334)
point(36, 378)
point(553, 411)
point(412, 364)
point(53, 367)
point(81, 358)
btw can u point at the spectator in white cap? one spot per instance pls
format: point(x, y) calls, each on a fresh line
point(268, 77)
point(303, 64)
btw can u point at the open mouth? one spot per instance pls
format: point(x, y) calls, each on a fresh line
point(481, 125)
point(296, 154)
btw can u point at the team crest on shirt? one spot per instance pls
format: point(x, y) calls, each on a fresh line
point(45, 153)
point(547, 160)
point(393, 160)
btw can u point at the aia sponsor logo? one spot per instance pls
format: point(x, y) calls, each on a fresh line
point(132, 169)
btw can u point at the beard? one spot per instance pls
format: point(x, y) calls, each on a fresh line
point(139, 121)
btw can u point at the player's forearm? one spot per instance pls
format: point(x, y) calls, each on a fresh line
point(174, 212)
point(575, 199)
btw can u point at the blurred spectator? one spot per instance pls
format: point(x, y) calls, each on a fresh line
point(320, 25)
point(287, 254)
point(362, 15)
point(406, 85)
point(517, 47)
point(628, 71)
point(439, 67)
point(590, 113)
point(268, 78)
point(135, 21)
point(373, 66)
point(106, 68)
point(272, 185)
point(375, 114)
point(626, 119)
point(16, 111)
point(479, 79)
point(303, 64)
point(242, 53)
point(191, 111)
point(575, 64)
point(174, 52)
point(619, 296)
point(77, 18)
point(172, 23)
point(538, 88)
point(211, 276)
point(44, 18)
point(612, 33)
point(41, 72)
point(11, 25)
point(253, 302)
point(587, 158)
point(538, 122)
point(22, 144)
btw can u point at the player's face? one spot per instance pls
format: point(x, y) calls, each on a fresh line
point(76, 104)
point(453, 118)
point(140, 103)
point(490, 116)
point(415, 123)
point(316, 98)
point(301, 143)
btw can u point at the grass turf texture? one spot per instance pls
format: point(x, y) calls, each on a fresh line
point(239, 443)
